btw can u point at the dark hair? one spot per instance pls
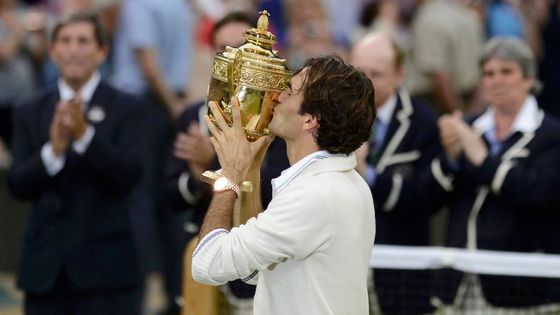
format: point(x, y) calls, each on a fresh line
point(233, 17)
point(341, 97)
point(81, 16)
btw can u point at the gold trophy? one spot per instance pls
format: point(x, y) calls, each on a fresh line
point(255, 75)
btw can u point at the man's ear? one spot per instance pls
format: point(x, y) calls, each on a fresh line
point(103, 53)
point(310, 122)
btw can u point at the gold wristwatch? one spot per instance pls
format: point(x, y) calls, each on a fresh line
point(224, 183)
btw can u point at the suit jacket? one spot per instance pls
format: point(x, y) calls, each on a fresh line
point(509, 203)
point(410, 144)
point(80, 220)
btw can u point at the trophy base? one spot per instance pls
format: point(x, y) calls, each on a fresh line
point(210, 177)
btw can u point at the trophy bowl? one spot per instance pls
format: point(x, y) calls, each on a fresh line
point(255, 87)
point(255, 75)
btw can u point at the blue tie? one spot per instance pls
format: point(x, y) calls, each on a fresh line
point(375, 142)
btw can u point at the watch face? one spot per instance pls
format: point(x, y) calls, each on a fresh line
point(223, 184)
point(220, 184)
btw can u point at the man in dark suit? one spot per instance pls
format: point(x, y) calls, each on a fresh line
point(194, 154)
point(404, 141)
point(76, 157)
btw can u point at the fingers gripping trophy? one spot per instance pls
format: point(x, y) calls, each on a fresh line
point(255, 76)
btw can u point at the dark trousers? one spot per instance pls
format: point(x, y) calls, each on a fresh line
point(149, 219)
point(64, 299)
point(6, 124)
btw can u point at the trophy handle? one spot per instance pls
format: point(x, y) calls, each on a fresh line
point(234, 72)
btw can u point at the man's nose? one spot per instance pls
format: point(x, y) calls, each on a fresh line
point(497, 79)
point(281, 97)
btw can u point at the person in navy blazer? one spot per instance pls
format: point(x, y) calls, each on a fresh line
point(404, 140)
point(77, 151)
point(499, 173)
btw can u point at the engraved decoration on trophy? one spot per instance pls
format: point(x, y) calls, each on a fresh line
point(255, 75)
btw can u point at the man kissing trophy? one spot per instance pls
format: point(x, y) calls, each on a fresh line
point(255, 76)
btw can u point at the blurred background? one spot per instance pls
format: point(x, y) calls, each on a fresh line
point(304, 29)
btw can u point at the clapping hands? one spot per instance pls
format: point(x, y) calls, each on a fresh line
point(458, 137)
point(68, 124)
point(195, 148)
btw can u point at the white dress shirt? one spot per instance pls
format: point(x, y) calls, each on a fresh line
point(55, 163)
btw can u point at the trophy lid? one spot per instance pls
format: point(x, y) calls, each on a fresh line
point(255, 63)
point(260, 36)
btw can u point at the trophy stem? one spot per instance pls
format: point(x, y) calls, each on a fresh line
point(210, 177)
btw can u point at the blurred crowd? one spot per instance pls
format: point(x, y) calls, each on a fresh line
point(442, 40)
point(304, 29)
point(161, 52)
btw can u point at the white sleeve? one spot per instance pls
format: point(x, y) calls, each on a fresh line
point(53, 163)
point(295, 225)
point(81, 144)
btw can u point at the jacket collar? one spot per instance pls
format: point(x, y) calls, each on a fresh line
point(397, 129)
point(315, 163)
point(335, 163)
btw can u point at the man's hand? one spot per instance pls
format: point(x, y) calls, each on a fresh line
point(457, 136)
point(235, 153)
point(195, 148)
point(73, 118)
point(449, 135)
point(473, 146)
point(59, 135)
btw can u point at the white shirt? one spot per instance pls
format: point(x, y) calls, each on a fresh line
point(385, 112)
point(55, 163)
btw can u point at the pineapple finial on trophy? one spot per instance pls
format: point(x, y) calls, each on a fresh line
point(262, 23)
